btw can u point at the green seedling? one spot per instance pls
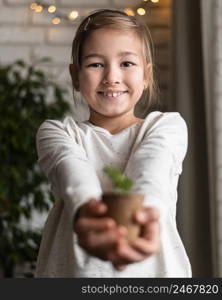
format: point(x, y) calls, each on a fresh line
point(121, 183)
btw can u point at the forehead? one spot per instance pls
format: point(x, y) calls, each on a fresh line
point(112, 40)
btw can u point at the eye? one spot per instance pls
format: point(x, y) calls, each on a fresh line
point(95, 65)
point(127, 64)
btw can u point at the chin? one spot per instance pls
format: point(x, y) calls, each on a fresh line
point(111, 113)
point(114, 114)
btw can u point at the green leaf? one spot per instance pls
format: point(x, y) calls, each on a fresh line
point(120, 182)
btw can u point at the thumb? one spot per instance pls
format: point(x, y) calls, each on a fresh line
point(147, 214)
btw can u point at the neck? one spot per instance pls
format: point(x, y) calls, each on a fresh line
point(113, 124)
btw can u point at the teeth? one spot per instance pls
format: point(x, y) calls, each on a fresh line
point(116, 94)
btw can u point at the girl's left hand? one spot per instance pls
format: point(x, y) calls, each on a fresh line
point(145, 245)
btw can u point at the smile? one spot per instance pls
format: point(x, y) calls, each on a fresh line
point(112, 94)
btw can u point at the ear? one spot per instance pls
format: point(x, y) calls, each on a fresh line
point(147, 74)
point(74, 75)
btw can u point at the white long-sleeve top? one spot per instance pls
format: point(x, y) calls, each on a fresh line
point(73, 155)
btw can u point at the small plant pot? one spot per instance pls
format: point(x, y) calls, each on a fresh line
point(121, 208)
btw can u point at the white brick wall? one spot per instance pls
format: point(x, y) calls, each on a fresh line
point(40, 19)
point(59, 54)
point(86, 3)
point(60, 35)
point(126, 3)
point(9, 53)
point(14, 15)
point(16, 2)
point(21, 35)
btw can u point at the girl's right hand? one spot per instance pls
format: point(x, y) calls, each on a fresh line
point(97, 234)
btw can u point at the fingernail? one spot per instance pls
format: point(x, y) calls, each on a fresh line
point(102, 207)
point(111, 223)
point(141, 216)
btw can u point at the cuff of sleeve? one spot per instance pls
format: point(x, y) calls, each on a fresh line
point(76, 198)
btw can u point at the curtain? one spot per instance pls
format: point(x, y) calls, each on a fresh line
point(211, 17)
point(190, 96)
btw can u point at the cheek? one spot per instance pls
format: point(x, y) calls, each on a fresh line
point(137, 80)
point(83, 78)
point(88, 80)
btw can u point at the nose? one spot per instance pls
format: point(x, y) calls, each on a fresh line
point(112, 76)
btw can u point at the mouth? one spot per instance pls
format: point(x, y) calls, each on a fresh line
point(112, 94)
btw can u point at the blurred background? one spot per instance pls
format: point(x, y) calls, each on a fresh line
point(35, 51)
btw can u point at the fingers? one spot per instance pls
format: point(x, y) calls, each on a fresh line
point(149, 241)
point(100, 236)
point(119, 267)
point(96, 233)
point(98, 241)
point(100, 244)
point(148, 246)
point(84, 225)
point(146, 214)
point(136, 251)
point(88, 217)
point(150, 226)
point(124, 254)
point(93, 208)
point(148, 219)
point(151, 231)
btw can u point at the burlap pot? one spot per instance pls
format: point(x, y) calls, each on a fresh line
point(121, 208)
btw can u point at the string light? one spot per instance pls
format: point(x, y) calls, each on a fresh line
point(141, 11)
point(56, 21)
point(39, 6)
point(129, 11)
point(51, 9)
point(73, 15)
point(33, 6)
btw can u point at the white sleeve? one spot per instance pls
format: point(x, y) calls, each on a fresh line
point(65, 163)
point(156, 163)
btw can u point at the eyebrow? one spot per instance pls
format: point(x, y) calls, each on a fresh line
point(121, 54)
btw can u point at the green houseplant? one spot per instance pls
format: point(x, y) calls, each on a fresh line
point(23, 107)
point(121, 183)
point(121, 202)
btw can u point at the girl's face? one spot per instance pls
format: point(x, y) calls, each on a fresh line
point(113, 74)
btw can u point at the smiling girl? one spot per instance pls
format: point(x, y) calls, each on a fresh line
point(112, 68)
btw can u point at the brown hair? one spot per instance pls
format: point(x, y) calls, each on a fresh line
point(121, 21)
